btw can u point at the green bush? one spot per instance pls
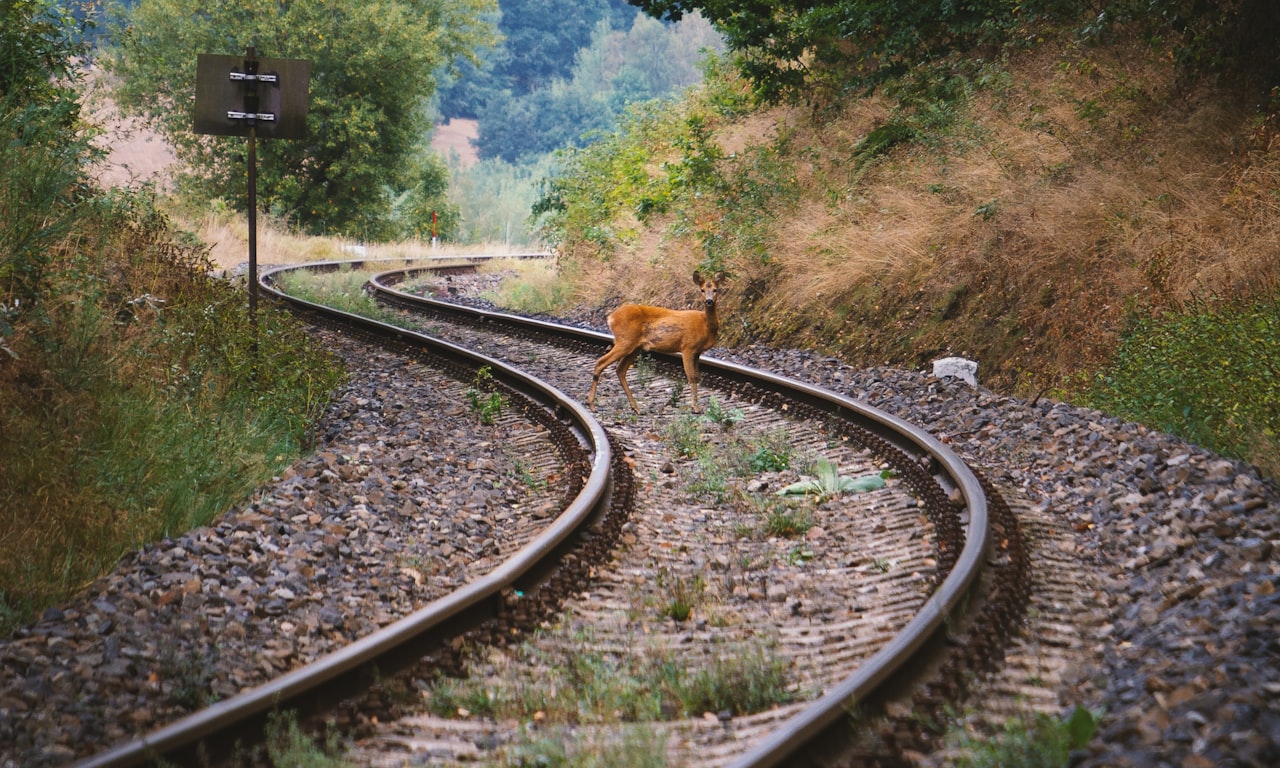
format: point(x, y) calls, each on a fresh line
point(1209, 374)
point(137, 399)
point(664, 159)
point(1039, 741)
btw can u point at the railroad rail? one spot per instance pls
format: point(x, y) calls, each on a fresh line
point(516, 594)
point(973, 520)
point(973, 525)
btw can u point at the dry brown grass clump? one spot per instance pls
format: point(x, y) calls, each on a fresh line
point(1080, 184)
point(227, 236)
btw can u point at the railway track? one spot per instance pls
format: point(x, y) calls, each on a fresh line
point(874, 586)
point(809, 417)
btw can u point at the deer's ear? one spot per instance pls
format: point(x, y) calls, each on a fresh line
point(697, 279)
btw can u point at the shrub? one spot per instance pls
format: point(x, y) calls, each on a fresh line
point(137, 399)
point(1210, 375)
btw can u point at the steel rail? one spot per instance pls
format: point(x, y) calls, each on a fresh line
point(475, 603)
point(787, 744)
point(219, 727)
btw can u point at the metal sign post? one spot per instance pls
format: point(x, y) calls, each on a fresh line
point(251, 97)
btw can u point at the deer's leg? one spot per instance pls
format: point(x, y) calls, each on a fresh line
point(623, 366)
point(691, 373)
point(605, 361)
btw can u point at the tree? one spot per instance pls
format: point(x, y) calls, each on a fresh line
point(37, 47)
point(46, 146)
point(540, 39)
point(779, 43)
point(646, 60)
point(543, 36)
point(372, 72)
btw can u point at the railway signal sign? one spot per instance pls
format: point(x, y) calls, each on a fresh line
point(252, 97)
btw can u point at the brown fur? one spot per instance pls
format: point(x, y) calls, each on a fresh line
point(642, 328)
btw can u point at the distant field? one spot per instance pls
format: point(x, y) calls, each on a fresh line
point(456, 136)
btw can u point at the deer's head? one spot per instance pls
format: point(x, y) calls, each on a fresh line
point(709, 286)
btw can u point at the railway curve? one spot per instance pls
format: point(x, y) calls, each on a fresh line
point(973, 525)
point(945, 481)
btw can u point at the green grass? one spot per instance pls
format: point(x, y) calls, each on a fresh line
point(578, 684)
point(684, 435)
point(684, 595)
point(785, 521)
point(343, 290)
point(1037, 741)
point(1208, 374)
point(137, 400)
point(635, 747)
point(288, 746)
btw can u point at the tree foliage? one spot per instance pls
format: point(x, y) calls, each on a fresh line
point(38, 42)
point(46, 147)
point(372, 72)
point(1236, 37)
point(780, 44)
point(646, 60)
point(539, 40)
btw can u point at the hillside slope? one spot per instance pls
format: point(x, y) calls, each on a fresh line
point(1017, 211)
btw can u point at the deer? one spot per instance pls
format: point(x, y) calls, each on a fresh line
point(642, 328)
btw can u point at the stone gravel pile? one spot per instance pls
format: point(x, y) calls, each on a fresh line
point(1188, 654)
point(1187, 657)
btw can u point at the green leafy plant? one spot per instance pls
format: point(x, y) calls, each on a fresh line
point(717, 413)
point(828, 482)
point(526, 475)
point(771, 453)
point(1040, 741)
point(684, 434)
point(799, 555)
point(482, 397)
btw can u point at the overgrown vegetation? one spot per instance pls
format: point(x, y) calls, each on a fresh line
point(1037, 741)
point(790, 49)
point(580, 684)
point(1026, 195)
point(343, 289)
point(534, 289)
point(137, 400)
point(1185, 373)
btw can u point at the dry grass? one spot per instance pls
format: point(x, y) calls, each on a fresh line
point(1089, 183)
point(228, 239)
